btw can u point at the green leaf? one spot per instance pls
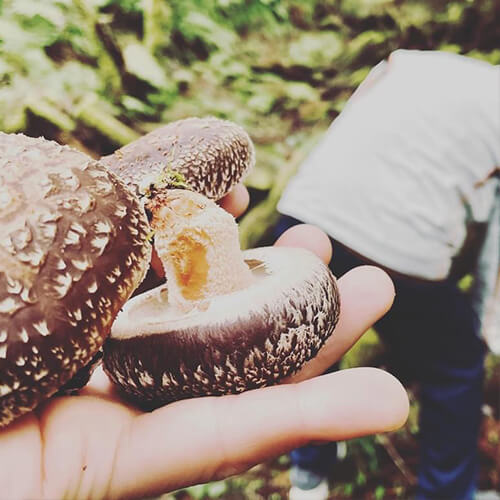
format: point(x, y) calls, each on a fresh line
point(361, 478)
point(359, 45)
point(348, 489)
point(454, 12)
point(32, 9)
point(414, 14)
point(5, 68)
point(261, 102)
point(13, 106)
point(140, 62)
point(300, 92)
point(368, 347)
point(492, 57)
point(72, 81)
point(315, 49)
point(183, 75)
point(136, 106)
point(260, 178)
point(356, 77)
point(229, 66)
point(216, 489)
point(48, 110)
point(451, 47)
point(157, 24)
point(97, 114)
point(313, 111)
point(197, 491)
point(199, 25)
point(363, 8)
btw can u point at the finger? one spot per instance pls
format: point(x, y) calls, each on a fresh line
point(101, 386)
point(20, 451)
point(309, 237)
point(366, 294)
point(199, 440)
point(236, 202)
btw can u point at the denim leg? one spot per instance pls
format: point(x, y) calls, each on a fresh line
point(432, 331)
point(318, 458)
point(451, 397)
point(450, 421)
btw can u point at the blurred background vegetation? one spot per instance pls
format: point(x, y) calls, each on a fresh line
point(96, 74)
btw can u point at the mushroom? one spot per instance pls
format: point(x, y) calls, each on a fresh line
point(225, 321)
point(212, 154)
point(73, 247)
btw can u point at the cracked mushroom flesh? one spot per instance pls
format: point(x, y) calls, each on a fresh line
point(73, 248)
point(225, 321)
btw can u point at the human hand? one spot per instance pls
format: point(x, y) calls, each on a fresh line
point(97, 446)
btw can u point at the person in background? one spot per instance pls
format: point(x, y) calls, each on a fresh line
point(407, 178)
point(96, 446)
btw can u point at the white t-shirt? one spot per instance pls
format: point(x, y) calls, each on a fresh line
point(407, 165)
point(410, 165)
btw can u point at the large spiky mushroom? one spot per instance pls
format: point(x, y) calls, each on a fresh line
point(73, 247)
point(211, 154)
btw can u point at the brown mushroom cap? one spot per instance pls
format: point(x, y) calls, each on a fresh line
point(238, 341)
point(73, 247)
point(212, 154)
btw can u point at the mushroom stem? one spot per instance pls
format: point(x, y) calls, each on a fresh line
point(198, 245)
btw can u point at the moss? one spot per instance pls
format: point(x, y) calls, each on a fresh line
point(168, 179)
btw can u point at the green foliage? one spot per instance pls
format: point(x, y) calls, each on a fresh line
point(280, 68)
point(379, 492)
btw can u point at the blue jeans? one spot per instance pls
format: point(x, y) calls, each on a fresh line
point(431, 332)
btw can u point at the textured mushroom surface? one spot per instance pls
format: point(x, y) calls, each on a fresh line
point(238, 341)
point(73, 247)
point(212, 154)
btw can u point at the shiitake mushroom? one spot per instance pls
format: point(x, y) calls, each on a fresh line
point(73, 247)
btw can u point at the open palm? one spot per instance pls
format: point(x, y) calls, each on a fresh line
point(96, 446)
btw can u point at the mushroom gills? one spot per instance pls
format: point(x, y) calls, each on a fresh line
point(248, 338)
point(153, 313)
